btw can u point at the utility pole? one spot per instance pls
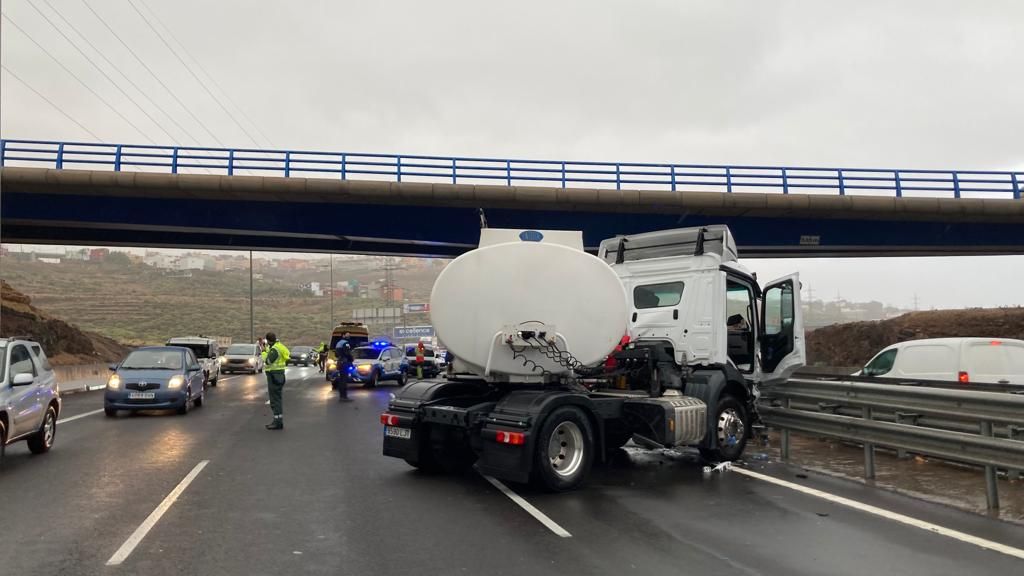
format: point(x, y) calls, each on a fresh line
point(331, 327)
point(915, 302)
point(252, 307)
point(389, 295)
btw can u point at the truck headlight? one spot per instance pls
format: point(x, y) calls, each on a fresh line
point(252, 360)
point(222, 360)
point(114, 383)
point(175, 382)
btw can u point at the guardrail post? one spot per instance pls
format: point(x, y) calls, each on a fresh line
point(398, 167)
point(784, 448)
point(508, 172)
point(60, 155)
point(785, 182)
point(344, 167)
point(728, 180)
point(3, 151)
point(673, 169)
point(1015, 433)
point(899, 185)
point(869, 451)
point(174, 160)
point(287, 164)
point(991, 486)
point(956, 185)
point(455, 171)
point(618, 177)
point(910, 419)
point(117, 159)
point(563, 175)
point(1016, 187)
point(231, 162)
point(842, 184)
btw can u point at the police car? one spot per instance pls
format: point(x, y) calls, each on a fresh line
point(380, 360)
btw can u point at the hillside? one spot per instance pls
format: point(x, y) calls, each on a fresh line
point(855, 343)
point(63, 343)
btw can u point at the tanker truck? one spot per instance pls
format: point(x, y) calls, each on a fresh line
point(562, 357)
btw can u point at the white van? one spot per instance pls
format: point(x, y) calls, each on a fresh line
point(965, 360)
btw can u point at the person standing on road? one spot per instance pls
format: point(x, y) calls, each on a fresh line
point(275, 358)
point(344, 358)
point(321, 355)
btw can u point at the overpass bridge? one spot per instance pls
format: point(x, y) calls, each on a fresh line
point(143, 195)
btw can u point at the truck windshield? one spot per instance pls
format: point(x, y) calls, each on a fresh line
point(153, 360)
point(657, 295)
point(241, 349)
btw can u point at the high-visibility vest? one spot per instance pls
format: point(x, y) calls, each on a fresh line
point(281, 361)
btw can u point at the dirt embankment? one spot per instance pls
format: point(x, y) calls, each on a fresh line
point(64, 344)
point(855, 343)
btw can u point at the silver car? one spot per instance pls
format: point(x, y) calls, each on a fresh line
point(29, 398)
point(242, 358)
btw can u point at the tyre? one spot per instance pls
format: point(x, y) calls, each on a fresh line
point(403, 378)
point(564, 450)
point(42, 440)
point(3, 440)
point(215, 380)
point(109, 412)
point(730, 432)
point(198, 402)
point(374, 378)
point(188, 399)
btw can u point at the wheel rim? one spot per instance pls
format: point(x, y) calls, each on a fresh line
point(49, 427)
point(730, 428)
point(565, 449)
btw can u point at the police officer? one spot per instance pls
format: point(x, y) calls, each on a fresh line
point(321, 355)
point(343, 355)
point(275, 358)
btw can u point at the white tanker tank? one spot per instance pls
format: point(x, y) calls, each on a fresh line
point(528, 305)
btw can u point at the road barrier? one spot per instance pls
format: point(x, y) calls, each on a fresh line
point(980, 427)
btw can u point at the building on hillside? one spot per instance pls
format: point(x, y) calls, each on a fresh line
point(99, 254)
point(82, 255)
point(189, 263)
point(314, 288)
point(157, 260)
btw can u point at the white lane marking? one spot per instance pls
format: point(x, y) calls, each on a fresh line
point(948, 532)
point(129, 545)
point(77, 416)
point(540, 516)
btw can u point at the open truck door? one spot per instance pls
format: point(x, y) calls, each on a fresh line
point(782, 330)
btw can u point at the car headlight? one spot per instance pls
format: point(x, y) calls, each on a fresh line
point(175, 382)
point(252, 360)
point(222, 360)
point(363, 368)
point(114, 383)
point(303, 356)
point(332, 363)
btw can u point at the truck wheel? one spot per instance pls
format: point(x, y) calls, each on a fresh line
point(42, 440)
point(564, 450)
point(730, 432)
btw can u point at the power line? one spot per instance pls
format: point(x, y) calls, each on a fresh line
point(50, 102)
point(75, 76)
point(101, 71)
point(190, 71)
point(153, 74)
point(123, 75)
point(212, 78)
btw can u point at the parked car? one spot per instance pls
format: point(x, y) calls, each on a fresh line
point(205, 350)
point(156, 378)
point(378, 362)
point(29, 398)
point(301, 356)
point(431, 362)
point(965, 360)
point(242, 358)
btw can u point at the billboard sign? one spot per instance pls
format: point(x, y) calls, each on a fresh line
point(416, 308)
point(413, 332)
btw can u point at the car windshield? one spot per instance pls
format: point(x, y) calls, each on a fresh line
point(3, 361)
point(153, 360)
point(242, 349)
point(200, 350)
point(365, 353)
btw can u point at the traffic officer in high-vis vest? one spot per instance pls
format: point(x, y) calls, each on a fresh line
point(275, 358)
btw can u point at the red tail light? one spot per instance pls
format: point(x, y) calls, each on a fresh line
point(963, 378)
point(388, 419)
point(995, 343)
point(513, 438)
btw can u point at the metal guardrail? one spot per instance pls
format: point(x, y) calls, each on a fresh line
point(560, 173)
point(956, 425)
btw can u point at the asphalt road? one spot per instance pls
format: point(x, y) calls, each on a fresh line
point(318, 498)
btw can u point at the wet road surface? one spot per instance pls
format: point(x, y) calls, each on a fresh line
point(318, 498)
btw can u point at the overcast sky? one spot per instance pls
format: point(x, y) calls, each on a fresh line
point(875, 84)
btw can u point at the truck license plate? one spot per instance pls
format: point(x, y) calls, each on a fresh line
point(396, 432)
point(141, 395)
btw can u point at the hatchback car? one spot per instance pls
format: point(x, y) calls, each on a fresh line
point(301, 356)
point(242, 358)
point(29, 397)
point(378, 362)
point(156, 378)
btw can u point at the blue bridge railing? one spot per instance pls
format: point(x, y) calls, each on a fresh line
point(558, 173)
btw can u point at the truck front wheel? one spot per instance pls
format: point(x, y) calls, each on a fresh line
point(730, 431)
point(564, 450)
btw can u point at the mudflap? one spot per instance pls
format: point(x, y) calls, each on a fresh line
point(523, 411)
